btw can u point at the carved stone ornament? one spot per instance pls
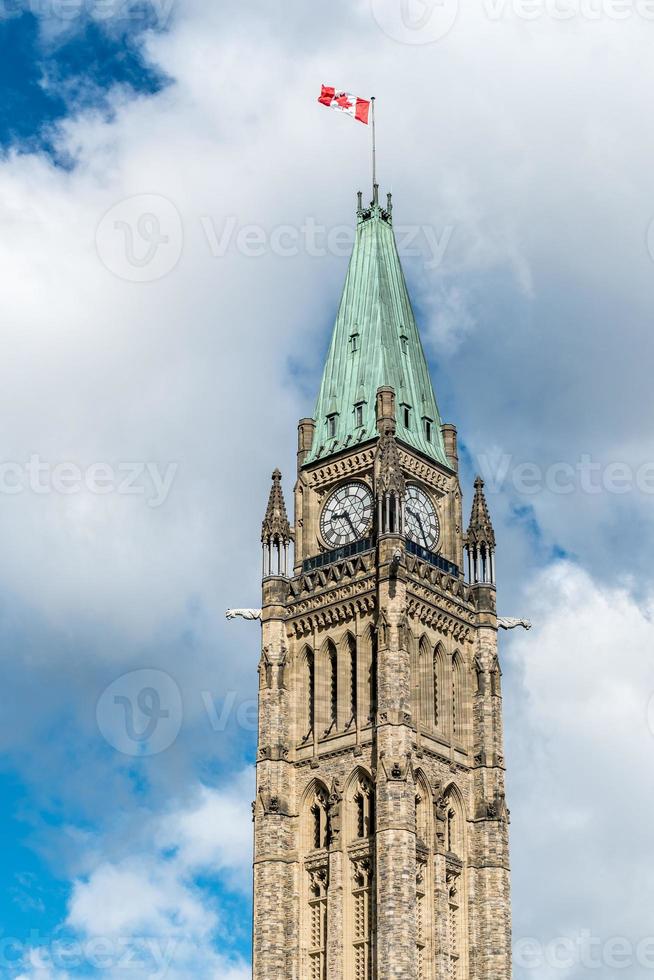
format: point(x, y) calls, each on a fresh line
point(508, 623)
point(388, 466)
point(250, 614)
point(334, 803)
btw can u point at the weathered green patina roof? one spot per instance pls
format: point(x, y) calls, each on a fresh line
point(375, 343)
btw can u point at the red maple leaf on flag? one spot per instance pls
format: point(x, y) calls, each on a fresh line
point(343, 100)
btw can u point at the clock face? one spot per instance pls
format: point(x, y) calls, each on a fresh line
point(422, 525)
point(347, 515)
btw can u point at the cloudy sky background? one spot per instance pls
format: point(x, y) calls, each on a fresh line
point(517, 144)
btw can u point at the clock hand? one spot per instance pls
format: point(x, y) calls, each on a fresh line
point(417, 517)
point(346, 516)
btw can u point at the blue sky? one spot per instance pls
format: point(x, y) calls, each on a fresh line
point(44, 80)
point(150, 355)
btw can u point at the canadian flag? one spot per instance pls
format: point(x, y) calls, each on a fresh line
point(344, 102)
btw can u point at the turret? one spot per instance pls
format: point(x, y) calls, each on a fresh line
point(480, 540)
point(276, 534)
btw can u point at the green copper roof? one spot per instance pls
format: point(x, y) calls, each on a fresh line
point(375, 343)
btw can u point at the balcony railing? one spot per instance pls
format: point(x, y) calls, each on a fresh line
point(436, 560)
point(367, 544)
point(347, 551)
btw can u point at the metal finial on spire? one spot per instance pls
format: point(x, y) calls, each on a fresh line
point(374, 152)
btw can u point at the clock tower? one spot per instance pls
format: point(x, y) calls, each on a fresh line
point(381, 827)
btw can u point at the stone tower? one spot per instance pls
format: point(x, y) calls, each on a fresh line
point(381, 827)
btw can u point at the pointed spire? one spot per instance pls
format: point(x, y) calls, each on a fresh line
point(376, 309)
point(480, 540)
point(275, 528)
point(480, 529)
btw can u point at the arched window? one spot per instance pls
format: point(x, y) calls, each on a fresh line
point(360, 828)
point(316, 823)
point(315, 838)
point(309, 695)
point(425, 683)
point(424, 877)
point(317, 939)
point(440, 691)
point(332, 664)
point(351, 648)
point(372, 677)
point(458, 720)
point(455, 885)
point(364, 804)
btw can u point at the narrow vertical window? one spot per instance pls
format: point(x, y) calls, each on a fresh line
point(440, 691)
point(361, 896)
point(421, 874)
point(361, 815)
point(331, 426)
point(457, 697)
point(406, 416)
point(404, 343)
point(451, 830)
point(333, 689)
point(311, 686)
point(354, 342)
point(318, 925)
point(428, 430)
point(316, 826)
point(353, 679)
point(372, 680)
point(360, 901)
point(454, 927)
point(358, 415)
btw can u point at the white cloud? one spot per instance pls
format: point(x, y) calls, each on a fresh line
point(579, 757)
point(150, 900)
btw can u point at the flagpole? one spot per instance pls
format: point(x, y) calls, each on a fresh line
point(374, 152)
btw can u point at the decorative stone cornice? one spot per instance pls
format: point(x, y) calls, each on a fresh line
point(324, 618)
point(354, 464)
point(425, 471)
point(429, 615)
